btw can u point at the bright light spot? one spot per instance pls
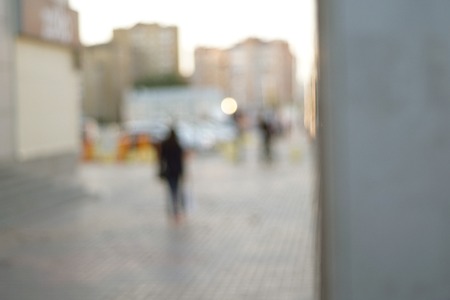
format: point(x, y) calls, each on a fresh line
point(229, 106)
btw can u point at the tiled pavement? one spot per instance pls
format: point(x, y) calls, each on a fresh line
point(249, 235)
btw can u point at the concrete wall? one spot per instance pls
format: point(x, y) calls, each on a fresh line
point(384, 94)
point(47, 100)
point(6, 84)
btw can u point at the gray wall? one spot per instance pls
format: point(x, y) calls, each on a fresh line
point(384, 94)
point(6, 83)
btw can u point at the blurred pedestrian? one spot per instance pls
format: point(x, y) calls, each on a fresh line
point(239, 125)
point(171, 169)
point(266, 129)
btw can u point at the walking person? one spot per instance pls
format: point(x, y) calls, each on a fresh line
point(171, 166)
point(238, 121)
point(266, 130)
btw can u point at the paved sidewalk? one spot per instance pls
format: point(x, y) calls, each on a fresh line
point(248, 236)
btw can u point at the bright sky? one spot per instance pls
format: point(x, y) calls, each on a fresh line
point(204, 22)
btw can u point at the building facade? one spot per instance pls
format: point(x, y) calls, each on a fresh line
point(6, 77)
point(154, 50)
point(211, 68)
point(171, 104)
point(40, 81)
point(137, 54)
point(256, 73)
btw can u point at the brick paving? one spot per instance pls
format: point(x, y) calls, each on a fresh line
point(249, 235)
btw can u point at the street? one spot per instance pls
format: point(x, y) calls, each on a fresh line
point(249, 234)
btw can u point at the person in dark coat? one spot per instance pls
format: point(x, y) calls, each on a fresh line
point(266, 129)
point(171, 163)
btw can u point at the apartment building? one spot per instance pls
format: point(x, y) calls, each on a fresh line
point(256, 73)
point(211, 68)
point(154, 50)
point(136, 54)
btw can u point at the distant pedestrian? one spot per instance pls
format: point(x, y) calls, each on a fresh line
point(171, 169)
point(239, 125)
point(266, 130)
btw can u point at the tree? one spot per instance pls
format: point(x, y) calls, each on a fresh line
point(161, 81)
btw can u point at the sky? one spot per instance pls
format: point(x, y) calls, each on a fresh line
point(210, 23)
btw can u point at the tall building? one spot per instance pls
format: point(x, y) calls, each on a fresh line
point(140, 53)
point(39, 82)
point(154, 50)
point(256, 73)
point(211, 68)
point(261, 73)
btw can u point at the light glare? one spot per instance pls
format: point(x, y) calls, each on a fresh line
point(229, 106)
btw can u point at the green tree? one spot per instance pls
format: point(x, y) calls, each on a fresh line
point(161, 81)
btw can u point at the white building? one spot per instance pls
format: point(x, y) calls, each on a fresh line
point(40, 82)
point(194, 111)
point(173, 104)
